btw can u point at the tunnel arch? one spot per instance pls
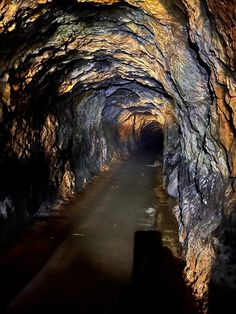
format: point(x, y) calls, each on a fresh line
point(71, 73)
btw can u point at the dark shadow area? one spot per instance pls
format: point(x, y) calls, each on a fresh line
point(157, 277)
point(221, 298)
point(22, 258)
point(26, 243)
point(151, 138)
point(157, 285)
point(24, 187)
point(21, 261)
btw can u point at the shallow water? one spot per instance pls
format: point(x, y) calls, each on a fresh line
point(120, 254)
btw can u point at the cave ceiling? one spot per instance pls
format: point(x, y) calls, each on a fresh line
point(81, 80)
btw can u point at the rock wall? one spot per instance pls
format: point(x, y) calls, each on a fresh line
point(79, 82)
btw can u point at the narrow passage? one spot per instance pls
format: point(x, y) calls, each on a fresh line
point(113, 260)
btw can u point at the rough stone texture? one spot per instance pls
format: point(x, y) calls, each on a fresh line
point(80, 82)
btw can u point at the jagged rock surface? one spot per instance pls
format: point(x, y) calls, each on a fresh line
point(79, 83)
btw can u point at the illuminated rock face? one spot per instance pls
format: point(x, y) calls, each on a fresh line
point(79, 83)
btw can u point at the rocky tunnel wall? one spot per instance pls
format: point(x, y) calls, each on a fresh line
point(79, 82)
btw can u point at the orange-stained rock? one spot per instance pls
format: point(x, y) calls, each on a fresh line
point(78, 85)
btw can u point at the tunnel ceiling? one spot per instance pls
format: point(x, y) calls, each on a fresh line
point(81, 80)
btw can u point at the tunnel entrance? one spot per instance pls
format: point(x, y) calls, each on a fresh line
point(151, 139)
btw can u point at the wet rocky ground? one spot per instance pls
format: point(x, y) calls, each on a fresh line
point(113, 249)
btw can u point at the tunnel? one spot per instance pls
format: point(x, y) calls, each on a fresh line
point(87, 84)
point(151, 138)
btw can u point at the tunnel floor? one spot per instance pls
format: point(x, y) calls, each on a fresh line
point(116, 250)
